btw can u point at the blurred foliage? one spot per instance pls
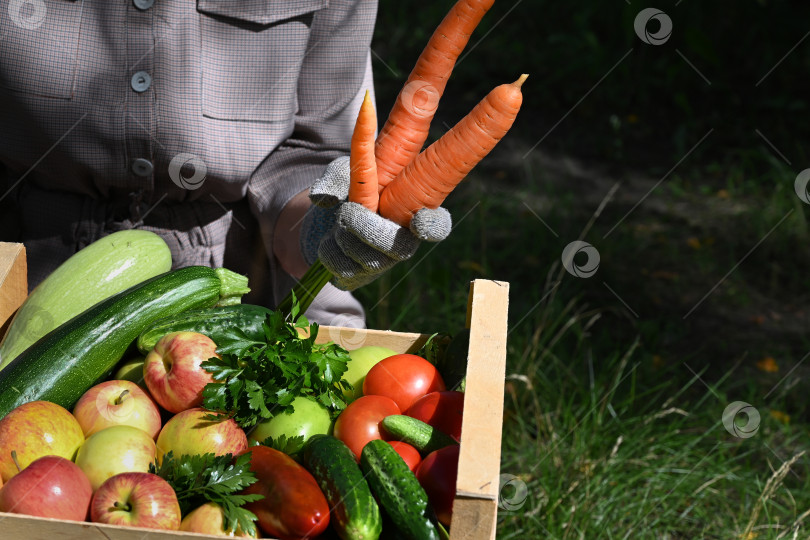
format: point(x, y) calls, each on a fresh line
point(651, 104)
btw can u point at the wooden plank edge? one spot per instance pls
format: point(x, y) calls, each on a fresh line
point(474, 518)
point(482, 425)
point(353, 338)
point(13, 283)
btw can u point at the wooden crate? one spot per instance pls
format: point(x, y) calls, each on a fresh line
point(13, 281)
point(476, 503)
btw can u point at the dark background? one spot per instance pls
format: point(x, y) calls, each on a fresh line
point(568, 47)
point(703, 136)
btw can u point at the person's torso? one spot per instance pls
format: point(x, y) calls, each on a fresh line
point(168, 98)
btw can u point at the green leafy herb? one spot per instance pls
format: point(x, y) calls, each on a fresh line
point(434, 348)
point(289, 446)
point(256, 380)
point(199, 479)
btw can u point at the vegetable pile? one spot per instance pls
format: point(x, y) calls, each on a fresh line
point(234, 421)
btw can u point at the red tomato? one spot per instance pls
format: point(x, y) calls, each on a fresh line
point(408, 453)
point(403, 378)
point(360, 421)
point(441, 410)
point(437, 475)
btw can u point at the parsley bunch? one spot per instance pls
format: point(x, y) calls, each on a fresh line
point(256, 380)
point(198, 479)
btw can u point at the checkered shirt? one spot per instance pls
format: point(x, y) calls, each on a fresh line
point(198, 120)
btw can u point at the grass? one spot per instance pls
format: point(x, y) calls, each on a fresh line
point(617, 384)
point(614, 423)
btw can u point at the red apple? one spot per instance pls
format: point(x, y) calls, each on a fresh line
point(115, 403)
point(51, 487)
point(36, 429)
point(115, 450)
point(210, 519)
point(189, 433)
point(172, 370)
point(137, 499)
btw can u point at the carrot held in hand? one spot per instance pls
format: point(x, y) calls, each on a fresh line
point(406, 130)
point(363, 166)
point(429, 178)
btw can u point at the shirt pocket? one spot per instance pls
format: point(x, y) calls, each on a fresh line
point(252, 51)
point(39, 42)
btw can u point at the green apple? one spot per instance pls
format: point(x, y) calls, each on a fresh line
point(132, 370)
point(309, 418)
point(362, 360)
point(115, 450)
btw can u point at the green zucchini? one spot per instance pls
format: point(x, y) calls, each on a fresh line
point(210, 322)
point(418, 434)
point(65, 363)
point(398, 490)
point(355, 514)
point(105, 267)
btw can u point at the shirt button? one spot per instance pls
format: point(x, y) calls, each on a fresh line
point(142, 167)
point(143, 4)
point(141, 81)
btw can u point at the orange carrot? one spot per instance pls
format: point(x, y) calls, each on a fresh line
point(406, 130)
point(429, 178)
point(363, 166)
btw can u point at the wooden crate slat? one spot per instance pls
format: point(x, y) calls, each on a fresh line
point(480, 453)
point(13, 281)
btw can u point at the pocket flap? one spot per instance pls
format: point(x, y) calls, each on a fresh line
point(262, 12)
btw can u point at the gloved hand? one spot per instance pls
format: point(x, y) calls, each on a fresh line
point(354, 243)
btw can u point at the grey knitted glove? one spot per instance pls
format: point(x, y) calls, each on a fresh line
point(354, 243)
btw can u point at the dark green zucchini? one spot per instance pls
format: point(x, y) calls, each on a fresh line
point(355, 514)
point(210, 322)
point(399, 492)
point(66, 362)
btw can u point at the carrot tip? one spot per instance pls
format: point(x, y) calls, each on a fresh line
point(521, 80)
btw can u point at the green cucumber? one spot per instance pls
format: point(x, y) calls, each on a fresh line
point(210, 322)
point(418, 434)
point(398, 490)
point(104, 268)
point(65, 363)
point(355, 514)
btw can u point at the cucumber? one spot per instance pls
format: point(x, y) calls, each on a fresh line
point(210, 322)
point(65, 363)
point(418, 434)
point(398, 490)
point(355, 514)
point(105, 267)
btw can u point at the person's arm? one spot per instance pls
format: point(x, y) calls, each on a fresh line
point(286, 245)
point(334, 76)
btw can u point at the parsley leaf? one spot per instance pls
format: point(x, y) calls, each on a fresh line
point(289, 446)
point(256, 380)
point(198, 479)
